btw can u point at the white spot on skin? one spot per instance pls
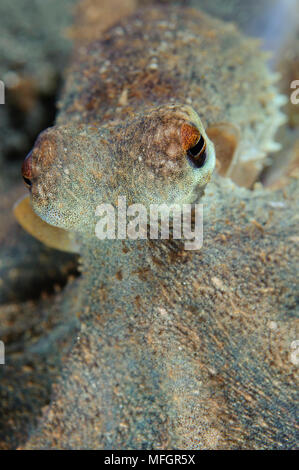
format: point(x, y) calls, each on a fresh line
point(123, 99)
point(163, 312)
point(119, 31)
point(294, 354)
point(294, 239)
point(272, 325)
point(277, 204)
point(105, 66)
point(218, 283)
point(153, 65)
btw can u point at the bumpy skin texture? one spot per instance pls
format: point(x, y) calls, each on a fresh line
point(186, 350)
point(173, 351)
point(187, 57)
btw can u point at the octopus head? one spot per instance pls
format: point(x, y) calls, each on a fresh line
point(161, 156)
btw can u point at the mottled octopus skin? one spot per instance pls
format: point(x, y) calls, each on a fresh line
point(174, 349)
point(177, 350)
point(187, 58)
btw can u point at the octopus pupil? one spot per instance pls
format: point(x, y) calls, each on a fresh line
point(27, 181)
point(197, 154)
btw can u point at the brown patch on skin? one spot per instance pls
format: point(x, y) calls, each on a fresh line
point(144, 274)
point(151, 85)
point(156, 139)
point(119, 275)
point(138, 301)
point(27, 167)
point(44, 154)
point(100, 93)
point(190, 135)
point(45, 150)
point(92, 20)
point(125, 250)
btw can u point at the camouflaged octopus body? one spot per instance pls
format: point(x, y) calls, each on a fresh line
point(172, 352)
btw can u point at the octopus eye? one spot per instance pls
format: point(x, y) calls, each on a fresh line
point(27, 182)
point(194, 144)
point(27, 170)
point(197, 154)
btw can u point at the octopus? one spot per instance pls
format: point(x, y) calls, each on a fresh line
point(174, 349)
